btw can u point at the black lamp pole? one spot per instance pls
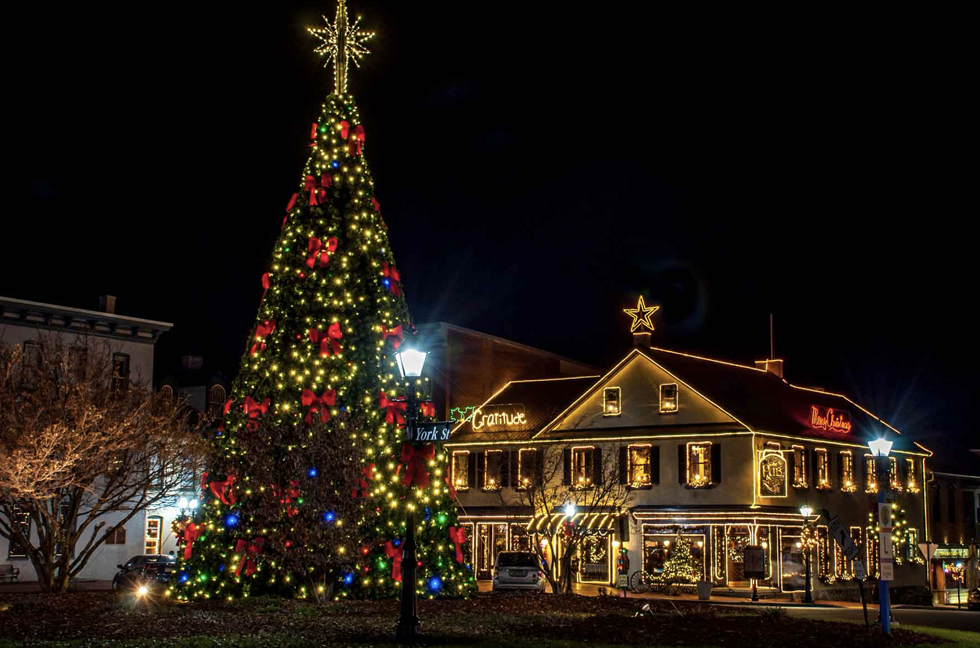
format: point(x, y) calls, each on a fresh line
point(808, 598)
point(408, 630)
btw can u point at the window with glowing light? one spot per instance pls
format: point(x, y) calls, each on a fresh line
point(894, 478)
point(823, 468)
point(612, 401)
point(639, 474)
point(21, 519)
point(152, 538)
point(870, 474)
point(493, 460)
point(847, 482)
point(699, 464)
point(582, 466)
point(799, 467)
point(527, 468)
point(668, 398)
point(461, 472)
point(911, 481)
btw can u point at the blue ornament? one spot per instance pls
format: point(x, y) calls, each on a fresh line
point(427, 514)
point(387, 282)
point(221, 567)
point(311, 472)
point(348, 578)
point(231, 520)
point(335, 164)
point(183, 577)
point(329, 517)
point(435, 583)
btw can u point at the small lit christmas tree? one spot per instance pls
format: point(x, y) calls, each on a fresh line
point(681, 566)
point(319, 374)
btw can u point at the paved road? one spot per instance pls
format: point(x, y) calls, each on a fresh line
point(952, 619)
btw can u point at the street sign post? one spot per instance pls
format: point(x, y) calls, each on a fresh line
point(859, 570)
point(859, 576)
point(437, 432)
point(843, 538)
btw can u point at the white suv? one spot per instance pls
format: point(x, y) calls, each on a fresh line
point(518, 570)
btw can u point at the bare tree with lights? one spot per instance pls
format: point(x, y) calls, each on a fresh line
point(80, 446)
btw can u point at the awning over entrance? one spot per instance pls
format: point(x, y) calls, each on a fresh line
point(549, 523)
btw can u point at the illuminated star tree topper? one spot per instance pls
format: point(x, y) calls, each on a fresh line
point(641, 315)
point(341, 43)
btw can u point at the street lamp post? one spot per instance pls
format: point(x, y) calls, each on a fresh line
point(805, 511)
point(880, 449)
point(410, 362)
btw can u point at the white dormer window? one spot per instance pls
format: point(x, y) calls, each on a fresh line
point(668, 398)
point(612, 401)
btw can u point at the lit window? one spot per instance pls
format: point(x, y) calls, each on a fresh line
point(216, 400)
point(152, 538)
point(870, 474)
point(847, 483)
point(21, 520)
point(120, 372)
point(668, 398)
point(894, 479)
point(461, 473)
point(823, 468)
point(698, 464)
point(911, 482)
point(582, 466)
point(527, 467)
point(492, 460)
point(639, 474)
point(612, 401)
point(799, 467)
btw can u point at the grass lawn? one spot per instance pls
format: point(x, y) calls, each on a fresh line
point(487, 621)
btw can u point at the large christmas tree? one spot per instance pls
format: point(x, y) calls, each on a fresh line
point(319, 375)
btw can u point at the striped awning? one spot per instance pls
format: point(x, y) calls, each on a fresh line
point(549, 523)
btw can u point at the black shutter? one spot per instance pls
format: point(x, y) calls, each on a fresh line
point(481, 472)
point(515, 457)
point(655, 465)
point(791, 466)
point(566, 459)
point(505, 469)
point(682, 463)
point(623, 459)
point(598, 474)
point(471, 470)
point(812, 476)
point(715, 463)
point(840, 469)
point(539, 466)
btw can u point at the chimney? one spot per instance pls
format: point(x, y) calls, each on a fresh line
point(107, 303)
point(772, 366)
point(641, 340)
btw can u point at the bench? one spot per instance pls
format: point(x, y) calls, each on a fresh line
point(8, 573)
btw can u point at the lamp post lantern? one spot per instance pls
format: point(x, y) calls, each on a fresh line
point(807, 542)
point(410, 362)
point(880, 449)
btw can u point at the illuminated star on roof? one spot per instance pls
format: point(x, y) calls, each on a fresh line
point(641, 315)
point(341, 43)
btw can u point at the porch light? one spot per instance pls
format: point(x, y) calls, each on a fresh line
point(805, 511)
point(570, 510)
point(880, 447)
point(410, 362)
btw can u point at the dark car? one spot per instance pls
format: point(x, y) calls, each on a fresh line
point(147, 570)
point(973, 600)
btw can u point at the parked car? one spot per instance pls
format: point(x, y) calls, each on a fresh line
point(973, 600)
point(144, 570)
point(518, 570)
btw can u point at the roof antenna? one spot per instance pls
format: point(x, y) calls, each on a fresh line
point(772, 344)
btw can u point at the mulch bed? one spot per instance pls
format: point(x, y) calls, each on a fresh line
point(104, 615)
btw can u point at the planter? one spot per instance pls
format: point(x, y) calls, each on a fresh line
point(704, 590)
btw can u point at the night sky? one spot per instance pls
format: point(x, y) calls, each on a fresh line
point(538, 168)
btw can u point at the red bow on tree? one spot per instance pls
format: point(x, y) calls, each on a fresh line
point(391, 274)
point(317, 191)
point(248, 552)
point(262, 331)
point(286, 496)
point(204, 481)
point(363, 486)
point(313, 135)
point(375, 204)
point(394, 410)
point(416, 461)
point(450, 486)
point(266, 283)
point(319, 404)
point(458, 537)
point(320, 253)
point(191, 533)
point(396, 335)
point(226, 408)
point(254, 409)
point(329, 341)
point(428, 408)
point(290, 205)
point(395, 553)
point(223, 490)
point(344, 129)
point(356, 140)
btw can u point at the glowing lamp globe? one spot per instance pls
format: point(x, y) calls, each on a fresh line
point(182, 503)
point(570, 510)
point(193, 504)
point(805, 511)
point(410, 362)
point(880, 447)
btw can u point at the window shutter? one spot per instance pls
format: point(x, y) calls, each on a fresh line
point(515, 457)
point(505, 469)
point(539, 467)
point(566, 459)
point(655, 465)
point(791, 466)
point(682, 463)
point(715, 463)
point(598, 474)
point(471, 470)
point(481, 472)
point(623, 461)
point(840, 469)
point(812, 475)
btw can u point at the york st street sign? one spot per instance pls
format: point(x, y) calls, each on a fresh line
point(437, 432)
point(843, 538)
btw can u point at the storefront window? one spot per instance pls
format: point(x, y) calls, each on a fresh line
point(799, 467)
point(847, 483)
point(822, 468)
point(657, 547)
point(639, 466)
point(461, 473)
point(594, 557)
point(870, 475)
point(791, 563)
point(582, 466)
point(698, 464)
point(491, 469)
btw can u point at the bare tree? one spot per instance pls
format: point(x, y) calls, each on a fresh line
point(79, 444)
point(552, 486)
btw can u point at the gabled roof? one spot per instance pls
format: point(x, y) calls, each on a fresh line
point(542, 399)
